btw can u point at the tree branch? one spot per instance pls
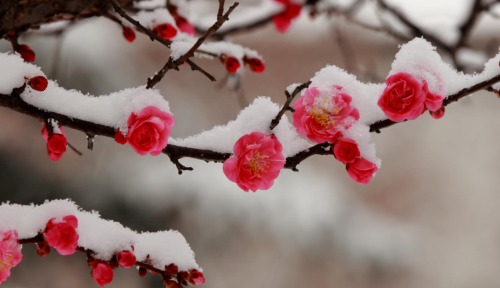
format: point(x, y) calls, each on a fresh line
point(40, 240)
point(153, 36)
point(174, 152)
point(286, 106)
point(375, 127)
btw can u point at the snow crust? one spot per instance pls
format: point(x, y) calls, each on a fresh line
point(255, 118)
point(104, 237)
point(111, 110)
point(13, 70)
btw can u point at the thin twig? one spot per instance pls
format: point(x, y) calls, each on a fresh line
point(74, 149)
point(174, 64)
point(289, 98)
point(153, 36)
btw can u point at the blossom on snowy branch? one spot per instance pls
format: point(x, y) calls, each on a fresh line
point(60, 224)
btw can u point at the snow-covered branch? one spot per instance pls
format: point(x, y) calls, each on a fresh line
point(62, 225)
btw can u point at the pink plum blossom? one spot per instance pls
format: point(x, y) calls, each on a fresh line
point(258, 161)
point(320, 115)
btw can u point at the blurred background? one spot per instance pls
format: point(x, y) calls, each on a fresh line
point(429, 218)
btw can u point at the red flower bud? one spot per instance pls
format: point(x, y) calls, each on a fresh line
point(165, 31)
point(184, 275)
point(143, 272)
point(346, 150)
point(129, 34)
point(102, 274)
point(126, 259)
point(232, 64)
point(438, 113)
point(43, 249)
point(119, 138)
point(196, 277)
point(255, 64)
point(26, 52)
point(171, 269)
point(39, 83)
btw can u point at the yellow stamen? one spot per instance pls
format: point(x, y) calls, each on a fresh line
point(257, 165)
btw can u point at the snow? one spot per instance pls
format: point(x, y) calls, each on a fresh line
point(292, 87)
point(104, 237)
point(13, 70)
point(151, 19)
point(255, 118)
point(111, 110)
point(420, 59)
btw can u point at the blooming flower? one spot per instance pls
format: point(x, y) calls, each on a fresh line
point(165, 31)
point(128, 34)
point(319, 116)
point(149, 131)
point(438, 113)
point(102, 273)
point(56, 143)
point(126, 259)
point(62, 235)
point(361, 170)
point(38, 83)
point(346, 150)
point(403, 98)
point(257, 162)
point(10, 255)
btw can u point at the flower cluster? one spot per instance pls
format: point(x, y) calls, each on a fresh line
point(10, 253)
point(56, 141)
point(283, 20)
point(321, 116)
point(406, 98)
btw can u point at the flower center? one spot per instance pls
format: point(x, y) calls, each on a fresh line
point(6, 263)
point(324, 116)
point(257, 165)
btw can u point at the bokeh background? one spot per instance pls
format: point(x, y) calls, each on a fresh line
point(429, 218)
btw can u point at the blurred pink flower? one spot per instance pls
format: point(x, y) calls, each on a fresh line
point(10, 255)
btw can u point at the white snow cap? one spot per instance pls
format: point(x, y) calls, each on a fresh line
point(104, 237)
point(255, 118)
point(110, 110)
